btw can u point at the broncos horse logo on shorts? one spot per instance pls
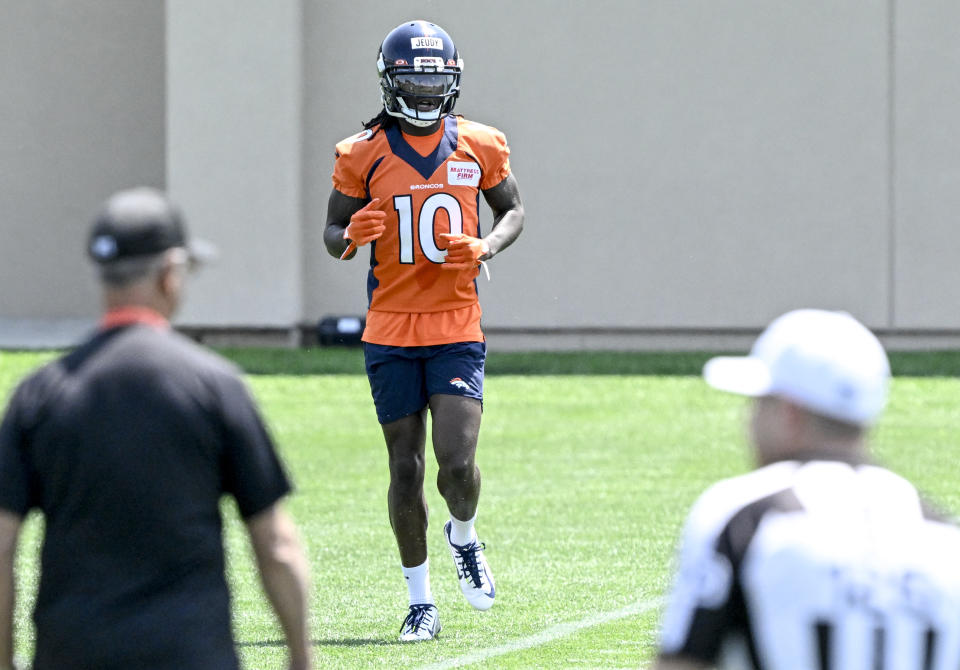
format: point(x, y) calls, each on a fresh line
point(460, 384)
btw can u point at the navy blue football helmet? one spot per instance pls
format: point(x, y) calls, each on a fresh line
point(419, 70)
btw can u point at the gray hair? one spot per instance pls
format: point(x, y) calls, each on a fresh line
point(126, 271)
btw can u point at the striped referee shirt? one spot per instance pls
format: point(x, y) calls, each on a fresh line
point(816, 565)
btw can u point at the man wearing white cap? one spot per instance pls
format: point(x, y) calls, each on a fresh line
point(817, 559)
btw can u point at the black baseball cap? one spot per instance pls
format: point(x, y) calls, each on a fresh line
point(141, 222)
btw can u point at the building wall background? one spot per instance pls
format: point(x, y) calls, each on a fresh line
point(82, 111)
point(689, 169)
point(926, 99)
point(233, 155)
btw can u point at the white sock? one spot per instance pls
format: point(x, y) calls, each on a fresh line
point(461, 532)
point(418, 583)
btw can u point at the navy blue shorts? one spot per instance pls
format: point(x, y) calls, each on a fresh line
point(402, 379)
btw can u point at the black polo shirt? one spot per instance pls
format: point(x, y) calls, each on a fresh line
point(126, 445)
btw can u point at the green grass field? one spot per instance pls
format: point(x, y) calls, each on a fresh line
point(589, 463)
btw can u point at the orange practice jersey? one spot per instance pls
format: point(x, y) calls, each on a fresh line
point(413, 300)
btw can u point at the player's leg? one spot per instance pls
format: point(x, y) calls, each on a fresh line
point(455, 430)
point(406, 438)
point(454, 381)
point(399, 393)
point(455, 384)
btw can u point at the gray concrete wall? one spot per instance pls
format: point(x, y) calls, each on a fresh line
point(81, 114)
point(233, 154)
point(926, 185)
point(686, 166)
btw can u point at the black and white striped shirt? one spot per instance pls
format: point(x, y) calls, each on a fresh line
point(816, 565)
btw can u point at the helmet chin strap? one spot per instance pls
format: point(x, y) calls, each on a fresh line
point(420, 123)
point(413, 121)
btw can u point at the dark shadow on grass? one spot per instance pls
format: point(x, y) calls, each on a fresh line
point(349, 361)
point(329, 642)
point(341, 360)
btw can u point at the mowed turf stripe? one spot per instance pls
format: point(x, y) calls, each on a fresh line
point(546, 636)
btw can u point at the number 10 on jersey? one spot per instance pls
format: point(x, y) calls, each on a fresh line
point(403, 204)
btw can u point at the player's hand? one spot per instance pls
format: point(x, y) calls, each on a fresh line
point(365, 226)
point(463, 252)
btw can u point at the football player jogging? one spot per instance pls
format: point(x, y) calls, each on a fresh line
point(819, 559)
point(409, 185)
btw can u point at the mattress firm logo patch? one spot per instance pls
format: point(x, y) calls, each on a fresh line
point(463, 174)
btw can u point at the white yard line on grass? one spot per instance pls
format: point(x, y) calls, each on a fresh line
point(545, 636)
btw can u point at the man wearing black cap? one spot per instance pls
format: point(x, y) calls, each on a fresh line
point(126, 445)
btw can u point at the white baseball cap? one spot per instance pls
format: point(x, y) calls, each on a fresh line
point(826, 362)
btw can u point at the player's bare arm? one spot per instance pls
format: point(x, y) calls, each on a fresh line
point(284, 572)
point(9, 532)
point(504, 200)
point(340, 208)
